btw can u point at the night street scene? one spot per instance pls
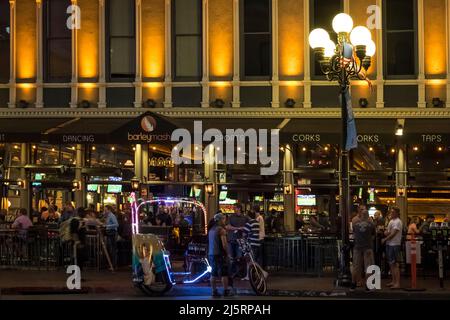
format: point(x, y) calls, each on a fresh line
point(224, 151)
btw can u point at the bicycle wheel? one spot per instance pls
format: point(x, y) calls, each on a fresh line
point(257, 280)
point(161, 285)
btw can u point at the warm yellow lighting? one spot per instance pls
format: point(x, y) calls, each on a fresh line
point(34, 147)
point(440, 149)
point(154, 148)
point(303, 149)
point(93, 148)
point(53, 149)
point(87, 39)
point(87, 85)
point(113, 148)
point(153, 39)
point(416, 148)
point(73, 148)
point(326, 148)
point(221, 84)
point(370, 149)
point(134, 148)
point(25, 39)
point(153, 85)
point(392, 150)
point(25, 85)
point(291, 83)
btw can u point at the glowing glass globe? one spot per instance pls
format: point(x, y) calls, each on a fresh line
point(330, 47)
point(360, 36)
point(370, 48)
point(318, 38)
point(342, 23)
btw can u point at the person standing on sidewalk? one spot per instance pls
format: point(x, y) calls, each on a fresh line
point(236, 222)
point(78, 231)
point(111, 227)
point(218, 254)
point(251, 231)
point(393, 242)
point(262, 233)
point(363, 232)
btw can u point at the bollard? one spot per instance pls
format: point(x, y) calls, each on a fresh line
point(413, 256)
point(413, 262)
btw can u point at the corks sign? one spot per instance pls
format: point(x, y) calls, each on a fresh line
point(325, 138)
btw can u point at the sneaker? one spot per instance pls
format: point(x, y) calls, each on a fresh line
point(215, 294)
point(353, 286)
point(245, 279)
point(228, 293)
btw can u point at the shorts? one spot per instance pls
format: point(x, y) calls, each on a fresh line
point(362, 257)
point(219, 266)
point(393, 254)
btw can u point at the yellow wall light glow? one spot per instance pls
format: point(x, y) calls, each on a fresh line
point(153, 38)
point(26, 38)
point(88, 38)
point(221, 38)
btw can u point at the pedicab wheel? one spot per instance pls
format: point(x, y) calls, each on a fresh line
point(159, 288)
point(257, 280)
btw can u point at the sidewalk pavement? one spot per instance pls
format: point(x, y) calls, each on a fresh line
point(104, 282)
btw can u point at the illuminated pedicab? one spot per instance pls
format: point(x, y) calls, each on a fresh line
point(152, 270)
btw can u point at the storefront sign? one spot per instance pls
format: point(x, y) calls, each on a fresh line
point(330, 138)
point(426, 138)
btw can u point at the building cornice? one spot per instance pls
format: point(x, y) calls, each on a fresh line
point(254, 113)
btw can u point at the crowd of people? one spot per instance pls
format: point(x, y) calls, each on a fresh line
point(73, 224)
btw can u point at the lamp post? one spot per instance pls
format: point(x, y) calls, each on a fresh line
point(349, 59)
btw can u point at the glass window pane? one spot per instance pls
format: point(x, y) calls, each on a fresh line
point(257, 16)
point(122, 56)
point(57, 19)
point(324, 12)
point(188, 51)
point(188, 17)
point(121, 17)
point(400, 14)
point(257, 54)
point(60, 60)
point(400, 53)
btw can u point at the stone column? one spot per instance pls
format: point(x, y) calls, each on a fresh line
point(138, 79)
point(210, 177)
point(236, 103)
point(401, 173)
point(144, 163)
point(138, 162)
point(275, 51)
point(289, 199)
point(74, 81)
point(12, 51)
point(205, 49)
point(25, 200)
point(168, 56)
point(101, 55)
point(40, 61)
point(80, 195)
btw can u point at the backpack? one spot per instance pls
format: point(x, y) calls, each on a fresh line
point(65, 234)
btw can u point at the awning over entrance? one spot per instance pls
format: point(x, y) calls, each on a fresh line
point(147, 128)
point(328, 131)
point(426, 131)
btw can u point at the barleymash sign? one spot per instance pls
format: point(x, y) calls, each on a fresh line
point(148, 128)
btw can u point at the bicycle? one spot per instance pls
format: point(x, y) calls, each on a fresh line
point(257, 275)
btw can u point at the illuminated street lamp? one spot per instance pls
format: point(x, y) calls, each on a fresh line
point(135, 184)
point(347, 60)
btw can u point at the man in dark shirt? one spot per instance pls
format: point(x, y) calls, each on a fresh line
point(78, 231)
point(236, 222)
point(363, 232)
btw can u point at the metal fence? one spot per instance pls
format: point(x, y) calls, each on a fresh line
point(307, 255)
point(42, 249)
